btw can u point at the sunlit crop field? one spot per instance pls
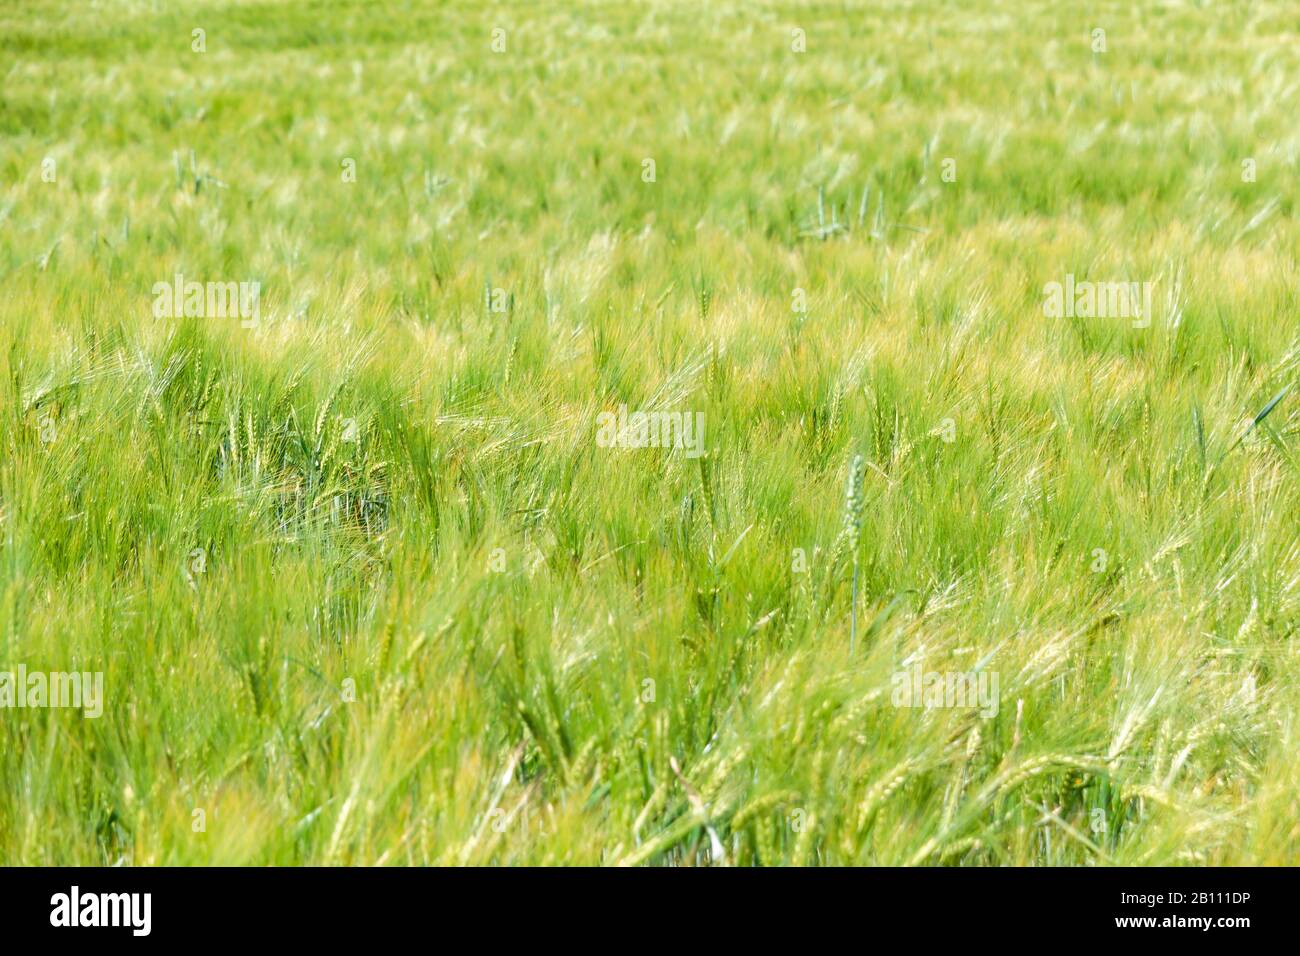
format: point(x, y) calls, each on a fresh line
point(649, 433)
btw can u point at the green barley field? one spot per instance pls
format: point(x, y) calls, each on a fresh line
point(649, 433)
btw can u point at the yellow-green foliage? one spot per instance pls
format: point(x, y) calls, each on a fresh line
point(363, 586)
